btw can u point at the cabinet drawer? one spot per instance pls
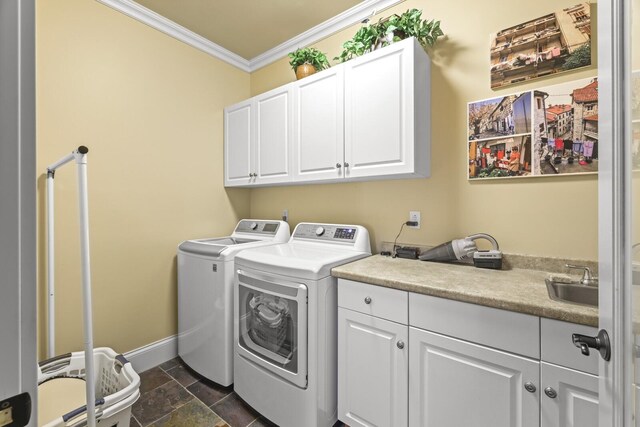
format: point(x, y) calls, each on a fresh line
point(557, 347)
point(386, 303)
point(506, 330)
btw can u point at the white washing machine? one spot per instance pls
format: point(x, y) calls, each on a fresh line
point(205, 295)
point(285, 323)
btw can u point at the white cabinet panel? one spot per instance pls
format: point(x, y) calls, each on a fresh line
point(319, 126)
point(381, 96)
point(372, 370)
point(273, 136)
point(576, 400)
point(454, 383)
point(237, 143)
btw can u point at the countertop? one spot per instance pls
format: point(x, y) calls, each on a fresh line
point(517, 289)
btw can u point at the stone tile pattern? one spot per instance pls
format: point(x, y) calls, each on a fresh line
point(172, 395)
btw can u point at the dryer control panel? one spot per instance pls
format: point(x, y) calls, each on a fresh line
point(327, 232)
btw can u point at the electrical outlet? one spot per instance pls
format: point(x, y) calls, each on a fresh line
point(285, 215)
point(414, 216)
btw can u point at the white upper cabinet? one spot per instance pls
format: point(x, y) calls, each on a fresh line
point(387, 118)
point(368, 118)
point(319, 126)
point(238, 144)
point(274, 132)
point(257, 139)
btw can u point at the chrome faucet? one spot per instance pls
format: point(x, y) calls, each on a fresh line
point(587, 277)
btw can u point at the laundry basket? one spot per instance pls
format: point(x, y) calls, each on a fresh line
point(116, 386)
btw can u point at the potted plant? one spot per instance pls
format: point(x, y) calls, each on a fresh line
point(411, 24)
point(307, 61)
point(390, 30)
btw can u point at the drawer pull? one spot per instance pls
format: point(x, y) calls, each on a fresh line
point(530, 387)
point(400, 344)
point(550, 392)
point(367, 300)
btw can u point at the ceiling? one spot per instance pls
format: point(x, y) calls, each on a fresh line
point(248, 27)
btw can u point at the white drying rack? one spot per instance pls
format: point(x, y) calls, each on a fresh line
point(80, 157)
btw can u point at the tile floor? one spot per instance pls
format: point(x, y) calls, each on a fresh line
point(172, 395)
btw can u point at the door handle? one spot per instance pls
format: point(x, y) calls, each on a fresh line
point(600, 342)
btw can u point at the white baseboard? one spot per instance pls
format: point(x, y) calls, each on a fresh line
point(150, 355)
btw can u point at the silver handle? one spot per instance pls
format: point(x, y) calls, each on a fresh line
point(346, 165)
point(530, 387)
point(367, 300)
point(338, 165)
point(550, 392)
point(400, 344)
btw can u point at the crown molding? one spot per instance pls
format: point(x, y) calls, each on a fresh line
point(178, 32)
point(331, 26)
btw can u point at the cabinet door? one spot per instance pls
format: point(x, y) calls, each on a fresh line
point(238, 135)
point(273, 136)
point(372, 370)
point(379, 106)
point(454, 383)
point(319, 126)
point(576, 397)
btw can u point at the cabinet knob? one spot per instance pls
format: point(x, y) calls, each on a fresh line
point(400, 344)
point(346, 165)
point(530, 387)
point(550, 392)
point(367, 300)
point(338, 165)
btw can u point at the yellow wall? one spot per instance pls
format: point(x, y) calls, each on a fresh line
point(544, 216)
point(150, 110)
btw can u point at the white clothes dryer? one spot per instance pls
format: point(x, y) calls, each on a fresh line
point(205, 295)
point(285, 323)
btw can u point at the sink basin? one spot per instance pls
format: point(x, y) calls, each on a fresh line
point(573, 292)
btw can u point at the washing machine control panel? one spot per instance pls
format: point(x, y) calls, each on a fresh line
point(258, 227)
point(326, 232)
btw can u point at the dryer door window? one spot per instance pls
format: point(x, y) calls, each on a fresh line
point(273, 325)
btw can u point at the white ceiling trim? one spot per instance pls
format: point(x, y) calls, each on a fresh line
point(331, 26)
point(167, 26)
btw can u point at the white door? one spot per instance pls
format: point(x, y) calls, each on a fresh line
point(618, 215)
point(274, 131)
point(379, 124)
point(490, 388)
point(569, 397)
point(17, 209)
point(319, 126)
point(373, 370)
point(238, 144)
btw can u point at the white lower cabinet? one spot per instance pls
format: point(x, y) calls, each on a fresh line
point(569, 397)
point(455, 383)
point(373, 362)
point(409, 360)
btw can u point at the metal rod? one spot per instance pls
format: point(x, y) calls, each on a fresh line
point(83, 204)
point(69, 157)
point(51, 308)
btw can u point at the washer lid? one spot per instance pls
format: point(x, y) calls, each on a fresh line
point(303, 260)
point(212, 247)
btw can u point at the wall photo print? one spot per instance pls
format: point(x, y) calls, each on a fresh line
point(550, 44)
point(565, 123)
point(499, 136)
